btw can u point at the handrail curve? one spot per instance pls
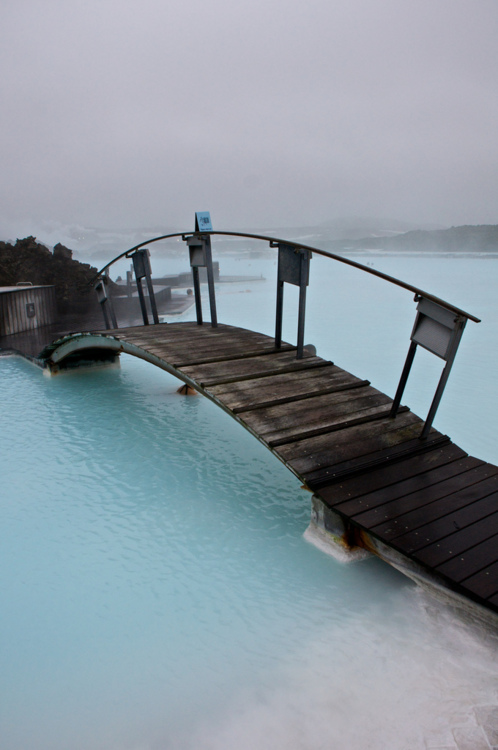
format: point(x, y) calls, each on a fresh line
point(275, 241)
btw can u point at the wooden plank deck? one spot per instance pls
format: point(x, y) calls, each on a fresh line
point(427, 499)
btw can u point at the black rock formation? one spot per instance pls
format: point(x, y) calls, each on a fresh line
point(30, 261)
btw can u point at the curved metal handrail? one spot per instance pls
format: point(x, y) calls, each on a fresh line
point(275, 241)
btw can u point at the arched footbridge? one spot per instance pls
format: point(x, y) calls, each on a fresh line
point(382, 477)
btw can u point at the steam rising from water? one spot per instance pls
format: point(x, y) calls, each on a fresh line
point(384, 682)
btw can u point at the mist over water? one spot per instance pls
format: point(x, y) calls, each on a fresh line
point(158, 592)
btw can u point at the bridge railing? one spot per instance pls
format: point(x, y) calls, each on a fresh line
point(438, 325)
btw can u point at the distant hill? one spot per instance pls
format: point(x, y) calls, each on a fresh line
point(465, 239)
point(359, 227)
point(343, 236)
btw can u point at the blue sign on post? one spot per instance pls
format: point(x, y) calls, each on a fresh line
point(203, 221)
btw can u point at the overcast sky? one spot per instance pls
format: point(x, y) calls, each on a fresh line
point(282, 112)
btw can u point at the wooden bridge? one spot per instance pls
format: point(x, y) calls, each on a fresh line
point(425, 499)
point(382, 478)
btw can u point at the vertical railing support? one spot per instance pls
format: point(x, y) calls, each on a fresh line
point(129, 284)
point(141, 266)
point(105, 303)
point(438, 330)
point(199, 246)
point(293, 268)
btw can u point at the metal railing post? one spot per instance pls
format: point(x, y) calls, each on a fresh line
point(404, 379)
point(293, 268)
point(200, 254)
point(210, 281)
point(438, 330)
point(141, 266)
point(197, 294)
point(106, 304)
point(280, 307)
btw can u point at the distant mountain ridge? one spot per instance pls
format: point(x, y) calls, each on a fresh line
point(341, 235)
point(462, 239)
point(359, 227)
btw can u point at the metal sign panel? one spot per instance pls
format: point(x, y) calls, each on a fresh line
point(101, 291)
point(141, 263)
point(197, 251)
point(438, 330)
point(203, 221)
point(291, 267)
point(435, 328)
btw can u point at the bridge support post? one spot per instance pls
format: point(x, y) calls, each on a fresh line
point(333, 535)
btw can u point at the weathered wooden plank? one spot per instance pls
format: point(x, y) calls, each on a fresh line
point(270, 363)
point(159, 328)
point(199, 347)
point(170, 332)
point(492, 601)
point(216, 353)
point(350, 443)
point(441, 507)
point(399, 499)
point(354, 453)
point(485, 584)
point(307, 413)
point(390, 455)
point(355, 487)
point(413, 541)
point(226, 340)
point(267, 348)
point(471, 562)
point(340, 423)
point(333, 420)
point(283, 381)
point(284, 388)
point(338, 388)
point(458, 542)
point(418, 483)
point(198, 335)
point(297, 366)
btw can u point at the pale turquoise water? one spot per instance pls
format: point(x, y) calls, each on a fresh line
point(156, 588)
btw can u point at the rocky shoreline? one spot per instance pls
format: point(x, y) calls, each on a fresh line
point(29, 261)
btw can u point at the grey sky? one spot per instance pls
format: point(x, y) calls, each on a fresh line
point(282, 112)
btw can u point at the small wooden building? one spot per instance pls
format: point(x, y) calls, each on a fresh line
point(24, 307)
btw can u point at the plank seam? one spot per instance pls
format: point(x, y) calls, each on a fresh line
point(235, 357)
point(420, 490)
point(432, 520)
point(333, 428)
point(340, 474)
point(268, 373)
point(301, 397)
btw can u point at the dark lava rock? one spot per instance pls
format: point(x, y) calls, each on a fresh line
point(29, 260)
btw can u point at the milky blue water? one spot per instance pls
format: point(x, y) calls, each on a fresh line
point(156, 588)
